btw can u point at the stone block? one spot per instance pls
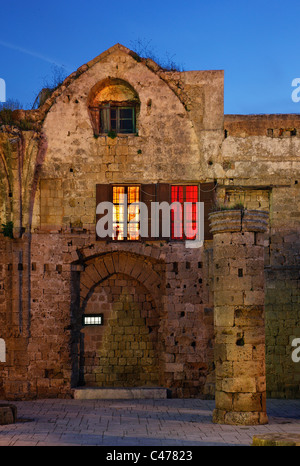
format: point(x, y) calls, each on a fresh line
point(239, 384)
point(249, 316)
point(8, 414)
point(224, 400)
point(245, 418)
point(279, 439)
point(224, 316)
point(229, 298)
point(247, 402)
point(239, 353)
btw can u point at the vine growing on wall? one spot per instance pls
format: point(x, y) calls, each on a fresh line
point(7, 229)
point(7, 149)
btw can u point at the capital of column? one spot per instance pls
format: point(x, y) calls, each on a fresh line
point(225, 221)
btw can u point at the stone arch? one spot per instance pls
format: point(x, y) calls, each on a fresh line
point(127, 349)
point(111, 91)
point(138, 267)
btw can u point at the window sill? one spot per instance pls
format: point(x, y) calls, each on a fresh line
point(118, 135)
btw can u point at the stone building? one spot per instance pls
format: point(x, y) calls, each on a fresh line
point(122, 125)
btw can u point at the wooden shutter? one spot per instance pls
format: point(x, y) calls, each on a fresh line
point(207, 195)
point(163, 195)
point(103, 194)
point(95, 120)
point(148, 195)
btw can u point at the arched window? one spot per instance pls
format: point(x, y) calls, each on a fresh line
point(113, 107)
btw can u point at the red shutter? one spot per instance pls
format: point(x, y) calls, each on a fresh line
point(103, 194)
point(148, 195)
point(207, 195)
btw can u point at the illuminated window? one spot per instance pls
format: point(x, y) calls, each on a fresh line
point(92, 319)
point(184, 216)
point(127, 222)
point(126, 218)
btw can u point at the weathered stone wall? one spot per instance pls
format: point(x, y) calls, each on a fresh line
point(44, 357)
point(48, 178)
point(14, 318)
point(283, 292)
point(261, 170)
point(176, 137)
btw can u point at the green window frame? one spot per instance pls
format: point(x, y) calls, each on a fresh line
point(117, 119)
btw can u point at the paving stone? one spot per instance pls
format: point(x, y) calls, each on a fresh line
point(277, 439)
point(119, 393)
point(147, 422)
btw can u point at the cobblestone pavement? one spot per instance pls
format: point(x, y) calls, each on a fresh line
point(169, 422)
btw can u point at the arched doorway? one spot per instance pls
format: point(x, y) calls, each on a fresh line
point(122, 352)
point(116, 322)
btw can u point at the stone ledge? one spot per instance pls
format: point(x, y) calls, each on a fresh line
point(91, 393)
point(224, 221)
point(276, 440)
point(8, 414)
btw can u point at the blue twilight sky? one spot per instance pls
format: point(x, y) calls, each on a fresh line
point(255, 42)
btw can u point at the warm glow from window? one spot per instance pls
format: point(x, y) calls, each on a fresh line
point(126, 219)
point(183, 195)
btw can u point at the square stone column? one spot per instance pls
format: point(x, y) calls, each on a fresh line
point(238, 251)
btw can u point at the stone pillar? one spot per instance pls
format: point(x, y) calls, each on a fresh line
point(238, 251)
